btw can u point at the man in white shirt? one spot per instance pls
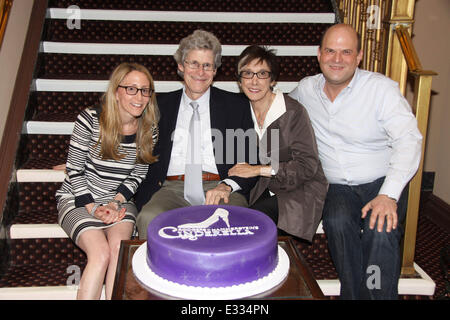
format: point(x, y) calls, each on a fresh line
point(370, 148)
point(168, 184)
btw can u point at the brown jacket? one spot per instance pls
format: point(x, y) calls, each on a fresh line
point(299, 184)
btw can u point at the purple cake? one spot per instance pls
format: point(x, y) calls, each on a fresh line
point(212, 246)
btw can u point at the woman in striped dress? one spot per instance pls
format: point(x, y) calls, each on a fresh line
point(109, 153)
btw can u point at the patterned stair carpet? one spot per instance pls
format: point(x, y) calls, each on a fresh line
point(52, 258)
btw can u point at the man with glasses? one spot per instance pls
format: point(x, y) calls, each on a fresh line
point(193, 166)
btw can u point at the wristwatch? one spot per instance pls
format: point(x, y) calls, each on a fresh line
point(94, 208)
point(118, 203)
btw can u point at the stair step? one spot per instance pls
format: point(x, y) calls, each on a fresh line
point(202, 5)
point(42, 269)
point(42, 151)
point(36, 231)
point(30, 252)
point(171, 32)
point(190, 16)
point(62, 85)
point(158, 49)
point(99, 66)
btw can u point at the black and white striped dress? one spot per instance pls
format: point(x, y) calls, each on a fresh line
point(91, 179)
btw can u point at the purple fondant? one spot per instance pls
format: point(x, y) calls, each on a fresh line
point(216, 256)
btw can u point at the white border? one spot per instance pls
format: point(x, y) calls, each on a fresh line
point(190, 16)
point(47, 127)
point(62, 85)
point(35, 231)
point(424, 286)
point(158, 49)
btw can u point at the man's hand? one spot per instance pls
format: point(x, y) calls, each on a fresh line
point(382, 207)
point(222, 191)
point(244, 170)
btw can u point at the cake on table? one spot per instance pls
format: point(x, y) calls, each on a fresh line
point(212, 246)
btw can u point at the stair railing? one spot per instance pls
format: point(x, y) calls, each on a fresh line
point(14, 119)
point(421, 106)
point(5, 8)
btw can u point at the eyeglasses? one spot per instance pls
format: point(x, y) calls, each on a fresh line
point(196, 65)
point(132, 91)
point(260, 74)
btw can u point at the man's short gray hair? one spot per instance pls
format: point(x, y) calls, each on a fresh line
point(199, 39)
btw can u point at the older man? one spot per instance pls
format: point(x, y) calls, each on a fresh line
point(369, 146)
point(194, 150)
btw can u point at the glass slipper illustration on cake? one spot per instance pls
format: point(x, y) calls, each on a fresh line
point(219, 213)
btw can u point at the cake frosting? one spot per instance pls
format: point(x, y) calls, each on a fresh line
point(212, 246)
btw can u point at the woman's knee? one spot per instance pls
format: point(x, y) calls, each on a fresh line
point(95, 245)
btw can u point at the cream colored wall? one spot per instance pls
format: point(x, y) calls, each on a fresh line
point(431, 40)
point(11, 53)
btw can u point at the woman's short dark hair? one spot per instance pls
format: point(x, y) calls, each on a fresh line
point(260, 53)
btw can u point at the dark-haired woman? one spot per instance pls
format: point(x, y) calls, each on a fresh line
point(292, 185)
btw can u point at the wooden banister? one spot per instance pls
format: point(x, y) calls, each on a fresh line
point(5, 8)
point(14, 119)
point(421, 106)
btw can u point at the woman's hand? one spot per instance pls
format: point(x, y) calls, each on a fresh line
point(108, 213)
point(245, 170)
point(60, 167)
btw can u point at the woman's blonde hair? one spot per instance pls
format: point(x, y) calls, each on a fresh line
point(111, 124)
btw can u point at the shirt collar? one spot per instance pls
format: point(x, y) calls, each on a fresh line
point(203, 101)
point(321, 82)
point(277, 109)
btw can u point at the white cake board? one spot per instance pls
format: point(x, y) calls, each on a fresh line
point(151, 280)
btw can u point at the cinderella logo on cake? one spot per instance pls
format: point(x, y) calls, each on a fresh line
point(193, 231)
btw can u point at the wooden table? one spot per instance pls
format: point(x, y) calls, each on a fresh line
point(299, 284)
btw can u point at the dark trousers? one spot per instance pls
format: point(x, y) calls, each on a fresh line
point(267, 204)
point(368, 262)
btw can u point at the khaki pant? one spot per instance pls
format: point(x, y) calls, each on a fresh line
point(171, 196)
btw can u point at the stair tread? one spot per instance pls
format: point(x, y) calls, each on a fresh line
point(202, 5)
point(35, 275)
point(49, 216)
point(162, 32)
point(99, 66)
point(41, 262)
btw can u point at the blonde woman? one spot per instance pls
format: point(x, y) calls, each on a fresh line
point(109, 153)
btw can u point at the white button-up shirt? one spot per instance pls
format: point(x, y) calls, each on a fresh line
point(276, 110)
point(366, 133)
point(180, 138)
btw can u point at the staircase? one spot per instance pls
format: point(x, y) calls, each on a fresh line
point(74, 62)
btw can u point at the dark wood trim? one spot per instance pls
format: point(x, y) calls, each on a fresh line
point(14, 120)
point(438, 211)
